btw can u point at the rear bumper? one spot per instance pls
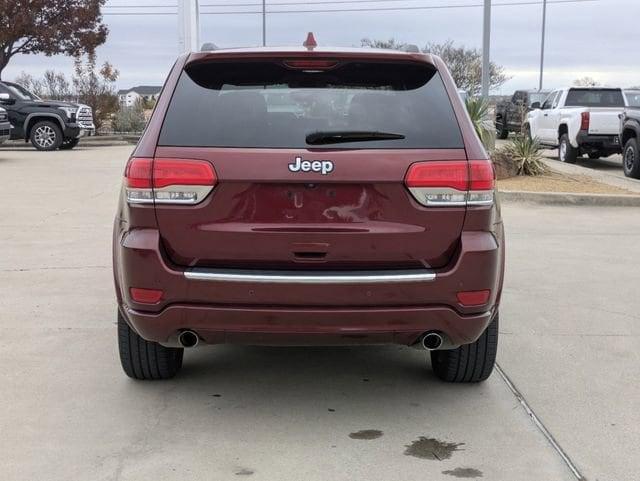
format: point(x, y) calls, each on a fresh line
point(590, 142)
point(253, 308)
point(312, 326)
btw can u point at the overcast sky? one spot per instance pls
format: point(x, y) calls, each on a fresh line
point(598, 38)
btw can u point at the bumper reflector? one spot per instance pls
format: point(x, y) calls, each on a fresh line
point(146, 296)
point(473, 298)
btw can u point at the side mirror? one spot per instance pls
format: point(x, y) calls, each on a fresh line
point(6, 99)
point(535, 105)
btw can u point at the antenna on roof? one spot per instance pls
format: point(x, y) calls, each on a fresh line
point(208, 46)
point(310, 42)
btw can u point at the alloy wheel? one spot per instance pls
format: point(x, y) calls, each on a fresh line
point(629, 158)
point(45, 136)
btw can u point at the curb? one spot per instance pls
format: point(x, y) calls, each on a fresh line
point(566, 198)
point(100, 143)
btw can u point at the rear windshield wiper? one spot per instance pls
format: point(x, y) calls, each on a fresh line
point(338, 137)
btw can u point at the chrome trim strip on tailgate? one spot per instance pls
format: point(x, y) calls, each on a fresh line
point(307, 277)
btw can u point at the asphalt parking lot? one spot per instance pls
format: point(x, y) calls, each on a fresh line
point(569, 335)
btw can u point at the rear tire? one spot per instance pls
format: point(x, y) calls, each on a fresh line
point(469, 363)
point(567, 152)
point(68, 144)
point(631, 159)
point(46, 135)
point(146, 360)
point(503, 131)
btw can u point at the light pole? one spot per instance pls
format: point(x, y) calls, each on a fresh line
point(544, 24)
point(264, 23)
point(486, 46)
point(188, 26)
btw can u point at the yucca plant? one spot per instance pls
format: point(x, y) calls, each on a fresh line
point(482, 120)
point(525, 152)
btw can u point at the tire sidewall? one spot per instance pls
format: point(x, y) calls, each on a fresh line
point(56, 130)
point(570, 153)
point(634, 170)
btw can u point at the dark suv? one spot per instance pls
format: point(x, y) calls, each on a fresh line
point(309, 197)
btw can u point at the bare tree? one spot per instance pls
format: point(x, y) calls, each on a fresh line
point(464, 63)
point(70, 27)
point(391, 43)
point(56, 86)
point(29, 82)
point(96, 88)
point(586, 82)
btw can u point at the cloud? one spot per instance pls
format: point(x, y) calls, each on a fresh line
point(582, 38)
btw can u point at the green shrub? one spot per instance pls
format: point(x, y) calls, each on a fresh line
point(129, 119)
point(521, 156)
point(482, 120)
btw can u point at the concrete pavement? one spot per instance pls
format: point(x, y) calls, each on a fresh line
point(370, 413)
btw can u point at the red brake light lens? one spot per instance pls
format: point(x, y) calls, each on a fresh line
point(146, 296)
point(311, 64)
point(452, 174)
point(168, 172)
point(482, 175)
point(138, 173)
point(585, 119)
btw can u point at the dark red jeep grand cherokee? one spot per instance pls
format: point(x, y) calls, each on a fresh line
point(301, 196)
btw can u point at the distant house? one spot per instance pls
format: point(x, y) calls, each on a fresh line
point(130, 96)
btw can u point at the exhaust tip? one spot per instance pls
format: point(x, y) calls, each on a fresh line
point(432, 341)
point(188, 339)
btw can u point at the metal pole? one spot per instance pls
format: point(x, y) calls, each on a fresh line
point(486, 46)
point(544, 25)
point(188, 25)
point(264, 23)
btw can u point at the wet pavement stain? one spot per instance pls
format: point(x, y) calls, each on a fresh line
point(366, 434)
point(244, 472)
point(464, 473)
point(431, 448)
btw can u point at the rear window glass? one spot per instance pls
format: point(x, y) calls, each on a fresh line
point(267, 104)
point(594, 98)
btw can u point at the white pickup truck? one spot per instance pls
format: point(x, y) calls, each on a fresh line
point(578, 120)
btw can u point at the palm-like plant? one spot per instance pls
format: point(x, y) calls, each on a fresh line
point(481, 118)
point(525, 153)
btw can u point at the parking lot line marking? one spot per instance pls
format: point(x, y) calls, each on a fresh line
point(536, 420)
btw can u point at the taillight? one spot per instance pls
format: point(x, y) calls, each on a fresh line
point(313, 65)
point(451, 183)
point(168, 181)
point(585, 118)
